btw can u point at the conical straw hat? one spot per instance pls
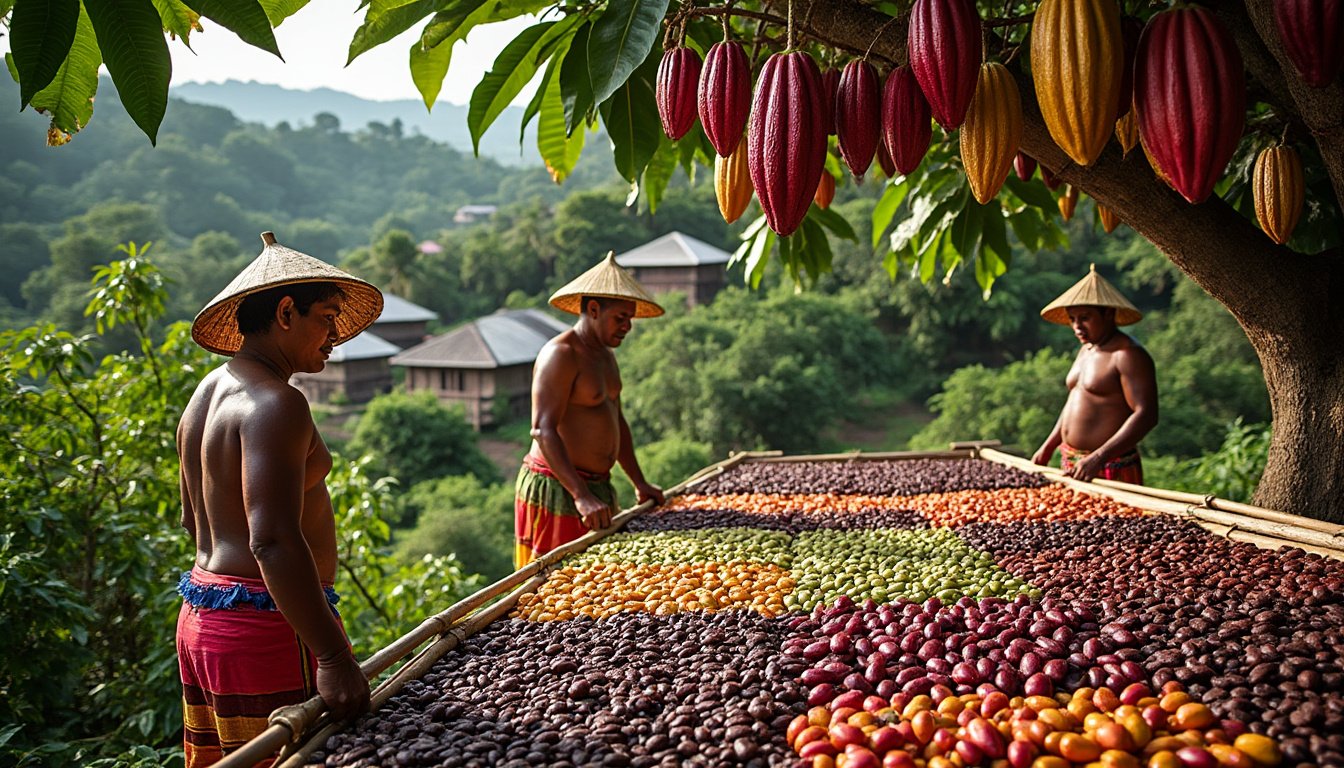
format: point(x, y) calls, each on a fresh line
point(1092, 291)
point(216, 327)
point(609, 280)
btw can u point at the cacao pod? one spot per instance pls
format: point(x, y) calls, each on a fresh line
point(1068, 201)
point(830, 83)
point(944, 48)
point(1127, 131)
point(992, 132)
point(906, 129)
point(1049, 179)
point(1131, 29)
point(1024, 166)
point(725, 95)
point(884, 160)
point(732, 182)
point(1278, 188)
point(786, 141)
point(825, 191)
point(1312, 38)
point(678, 76)
point(1190, 95)
point(1109, 219)
point(858, 115)
point(1077, 60)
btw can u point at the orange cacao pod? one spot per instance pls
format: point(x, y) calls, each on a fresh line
point(732, 182)
point(786, 141)
point(1127, 131)
point(992, 131)
point(1278, 188)
point(1109, 219)
point(858, 115)
point(1310, 31)
point(906, 128)
point(1024, 166)
point(1190, 95)
point(1077, 62)
point(725, 95)
point(825, 191)
point(678, 77)
point(1068, 201)
point(944, 48)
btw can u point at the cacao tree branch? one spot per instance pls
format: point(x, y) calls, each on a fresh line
point(728, 11)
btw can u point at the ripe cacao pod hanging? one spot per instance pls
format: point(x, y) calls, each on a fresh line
point(1077, 59)
point(1312, 32)
point(992, 131)
point(858, 115)
point(732, 182)
point(884, 160)
point(1068, 201)
point(825, 191)
point(678, 76)
point(725, 95)
point(830, 83)
point(944, 48)
point(1190, 95)
point(1109, 219)
point(786, 141)
point(1049, 179)
point(1131, 29)
point(1278, 188)
point(1127, 131)
point(1024, 166)
point(906, 129)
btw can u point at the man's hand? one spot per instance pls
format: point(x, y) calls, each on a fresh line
point(1087, 467)
point(647, 491)
point(1043, 456)
point(343, 687)
point(596, 514)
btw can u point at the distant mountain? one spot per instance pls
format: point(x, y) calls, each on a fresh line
point(273, 104)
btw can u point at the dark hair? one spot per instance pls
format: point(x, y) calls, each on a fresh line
point(603, 302)
point(257, 311)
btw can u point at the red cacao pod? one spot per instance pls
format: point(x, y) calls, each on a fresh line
point(1068, 201)
point(1312, 38)
point(678, 76)
point(825, 191)
point(858, 115)
point(1049, 179)
point(992, 132)
point(944, 48)
point(732, 182)
point(1278, 189)
point(786, 141)
point(884, 160)
point(830, 83)
point(1190, 94)
point(1131, 29)
point(725, 95)
point(1024, 166)
point(906, 128)
point(1077, 57)
point(1109, 219)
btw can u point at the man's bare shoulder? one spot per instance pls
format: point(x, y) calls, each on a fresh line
point(562, 350)
point(1131, 353)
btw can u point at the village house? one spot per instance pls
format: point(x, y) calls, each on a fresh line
point(403, 323)
point(356, 371)
point(678, 262)
point(470, 214)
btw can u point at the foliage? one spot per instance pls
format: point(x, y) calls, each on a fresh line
point(414, 438)
point(665, 463)
point(1233, 471)
point(465, 517)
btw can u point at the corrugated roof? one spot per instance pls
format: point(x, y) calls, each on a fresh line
point(673, 250)
point(364, 346)
point(508, 337)
point(399, 310)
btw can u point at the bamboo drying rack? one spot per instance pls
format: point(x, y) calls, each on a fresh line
point(291, 728)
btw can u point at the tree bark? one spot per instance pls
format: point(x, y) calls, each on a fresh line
point(1290, 305)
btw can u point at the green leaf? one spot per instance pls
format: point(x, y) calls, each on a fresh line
point(559, 150)
point(994, 235)
point(620, 42)
point(279, 10)
point(966, 228)
point(429, 66)
point(988, 266)
point(515, 66)
point(817, 255)
point(41, 32)
point(69, 98)
point(385, 20)
point(547, 77)
point(886, 208)
point(1031, 192)
point(659, 171)
point(576, 90)
point(130, 37)
point(631, 119)
point(245, 18)
point(1027, 227)
point(177, 18)
point(452, 23)
point(9, 64)
point(833, 221)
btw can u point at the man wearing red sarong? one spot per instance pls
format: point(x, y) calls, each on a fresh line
point(1112, 400)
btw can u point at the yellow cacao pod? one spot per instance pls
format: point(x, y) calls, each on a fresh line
point(1278, 189)
point(1109, 219)
point(1068, 201)
point(1077, 64)
point(992, 131)
point(1127, 131)
point(732, 182)
point(825, 191)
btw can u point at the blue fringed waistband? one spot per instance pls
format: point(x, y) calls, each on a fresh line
point(230, 595)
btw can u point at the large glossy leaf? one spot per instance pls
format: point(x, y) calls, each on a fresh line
point(513, 69)
point(130, 37)
point(833, 221)
point(547, 77)
point(178, 19)
point(279, 10)
point(966, 229)
point(659, 172)
point(559, 150)
point(576, 90)
point(1031, 192)
point(41, 32)
point(620, 42)
point(429, 66)
point(244, 18)
point(384, 20)
point(631, 118)
point(69, 96)
point(886, 208)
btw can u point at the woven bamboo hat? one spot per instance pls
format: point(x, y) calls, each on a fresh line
point(609, 280)
point(216, 327)
point(1092, 291)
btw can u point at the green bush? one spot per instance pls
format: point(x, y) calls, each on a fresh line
point(464, 517)
point(414, 438)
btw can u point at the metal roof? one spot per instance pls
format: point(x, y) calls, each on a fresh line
point(399, 310)
point(363, 346)
point(673, 250)
point(507, 337)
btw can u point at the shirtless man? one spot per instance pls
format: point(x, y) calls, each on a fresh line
point(1112, 400)
point(258, 611)
point(564, 487)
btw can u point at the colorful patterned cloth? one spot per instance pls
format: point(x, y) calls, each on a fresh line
point(239, 659)
point(1127, 468)
point(544, 515)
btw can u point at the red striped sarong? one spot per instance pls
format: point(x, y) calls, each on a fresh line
point(544, 515)
point(1126, 468)
point(239, 659)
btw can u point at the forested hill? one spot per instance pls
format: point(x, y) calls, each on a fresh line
point(272, 104)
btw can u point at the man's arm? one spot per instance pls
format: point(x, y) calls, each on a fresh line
point(188, 513)
point(275, 442)
point(1138, 381)
point(552, 384)
point(625, 456)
